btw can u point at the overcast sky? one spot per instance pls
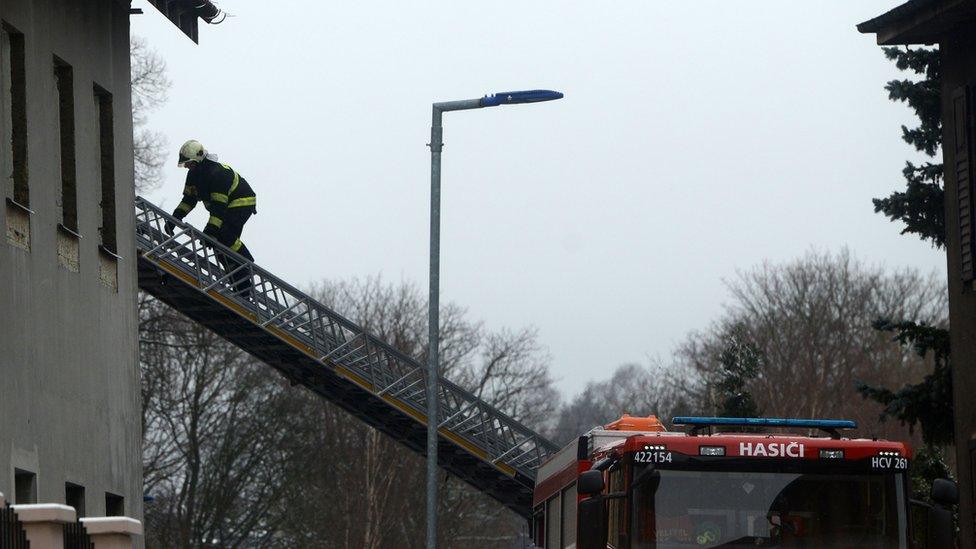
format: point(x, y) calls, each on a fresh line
point(693, 141)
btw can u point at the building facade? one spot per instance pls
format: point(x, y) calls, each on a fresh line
point(951, 24)
point(70, 410)
point(69, 373)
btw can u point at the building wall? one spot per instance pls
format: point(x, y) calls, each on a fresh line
point(959, 70)
point(69, 374)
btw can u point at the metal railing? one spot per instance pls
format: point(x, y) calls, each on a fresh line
point(337, 343)
point(12, 535)
point(76, 537)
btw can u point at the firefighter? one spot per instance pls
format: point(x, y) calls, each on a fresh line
point(224, 193)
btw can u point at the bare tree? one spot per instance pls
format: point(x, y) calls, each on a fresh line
point(811, 320)
point(632, 389)
point(811, 323)
point(236, 458)
point(149, 88)
point(507, 368)
point(216, 437)
point(371, 493)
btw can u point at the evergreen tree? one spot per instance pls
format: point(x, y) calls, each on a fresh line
point(740, 364)
point(921, 207)
point(929, 403)
point(928, 464)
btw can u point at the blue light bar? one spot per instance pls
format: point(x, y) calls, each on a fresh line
point(516, 97)
point(766, 422)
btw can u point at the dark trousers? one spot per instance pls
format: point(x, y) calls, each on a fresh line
point(230, 236)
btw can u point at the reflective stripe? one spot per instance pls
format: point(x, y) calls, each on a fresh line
point(216, 221)
point(218, 197)
point(237, 245)
point(237, 179)
point(184, 207)
point(241, 202)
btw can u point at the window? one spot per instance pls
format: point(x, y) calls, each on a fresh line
point(616, 534)
point(25, 487)
point(68, 246)
point(114, 505)
point(64, 77)
point(14, 152)
point(106, 151)
point(539, 526)
point(569, 516)
point(737, 508)
point(16, 111)
point(108, 268)
point(74, 496)
point(552, 523)
point(972, 467)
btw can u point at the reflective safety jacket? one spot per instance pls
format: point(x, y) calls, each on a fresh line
point(220, 188)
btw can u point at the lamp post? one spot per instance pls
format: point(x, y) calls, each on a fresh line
point(433, 314)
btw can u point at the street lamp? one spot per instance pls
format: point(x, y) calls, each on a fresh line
point(436, 146)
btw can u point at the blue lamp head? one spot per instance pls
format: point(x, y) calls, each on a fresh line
point(516, 97)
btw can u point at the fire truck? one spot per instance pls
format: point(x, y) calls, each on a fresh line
point(734, 482)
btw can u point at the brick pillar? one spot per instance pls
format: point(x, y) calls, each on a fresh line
point(44, 523)
point(112, 532)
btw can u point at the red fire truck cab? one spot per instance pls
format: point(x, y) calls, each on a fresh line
point(733, 482)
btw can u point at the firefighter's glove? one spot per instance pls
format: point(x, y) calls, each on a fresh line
point(169, 227)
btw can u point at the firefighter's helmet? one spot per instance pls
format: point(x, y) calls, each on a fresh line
point(192, 151)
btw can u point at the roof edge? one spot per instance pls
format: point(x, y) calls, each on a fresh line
point(914, 22)
point(186, 14)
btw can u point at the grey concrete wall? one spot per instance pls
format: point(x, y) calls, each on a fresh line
point(959, 69)
point(69, 374)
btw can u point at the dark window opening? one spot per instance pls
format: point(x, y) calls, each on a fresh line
point(25, 487)
point(13, 46)
point(114, 505)
point(64, 76)
point(972, 467)
point(74, 496)
point(106, 149)
point(539, 526)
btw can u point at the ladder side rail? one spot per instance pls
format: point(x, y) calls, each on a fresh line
point(490, 444)
point(499, 432)
point(500, 429)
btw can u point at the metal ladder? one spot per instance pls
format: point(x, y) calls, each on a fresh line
point(319, 348)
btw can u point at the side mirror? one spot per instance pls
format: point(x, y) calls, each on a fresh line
point(590, 482)
point(941, 531)
point(945, 492)
point(591, 522)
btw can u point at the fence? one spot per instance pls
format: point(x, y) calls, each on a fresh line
point(12, 534)
point(75, 536)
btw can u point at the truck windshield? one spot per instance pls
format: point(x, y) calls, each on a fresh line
point(681, 508)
